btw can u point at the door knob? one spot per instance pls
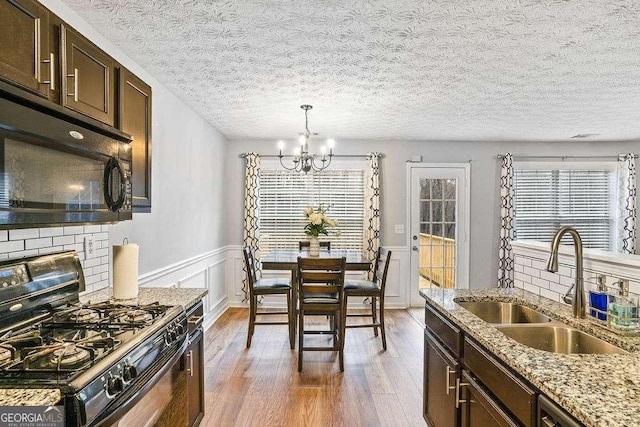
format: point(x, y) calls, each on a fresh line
point(415, 248)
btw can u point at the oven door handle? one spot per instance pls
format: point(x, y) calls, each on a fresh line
point(122, 407)
point(112, 166)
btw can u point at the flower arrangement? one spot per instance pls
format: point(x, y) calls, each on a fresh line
point(318, 221)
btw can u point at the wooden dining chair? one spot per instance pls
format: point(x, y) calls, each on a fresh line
point(272, 286)
point(306, 244)
point(320, 292)
point(373, 289)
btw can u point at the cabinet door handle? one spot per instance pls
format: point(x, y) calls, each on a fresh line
point(449, 371)
point(190, 368)
point(52, 72)
point(459, 386)
point(74, 76)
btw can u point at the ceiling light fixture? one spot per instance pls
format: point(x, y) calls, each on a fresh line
point(302, 160)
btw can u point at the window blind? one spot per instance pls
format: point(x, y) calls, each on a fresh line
point(546, 200)
point(285, 194)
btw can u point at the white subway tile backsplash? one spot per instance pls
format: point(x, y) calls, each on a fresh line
point(523, 261)
point(92, 262)
point(50, 232)
point(49, 250)
point(102, 236)
point(550, 294)
point(551, 277)
point(12, 246)
point(538, 265)
point(25, 233)
point(522, 277)
point(104, 252)
point(518, 268)
point(533, 272)
point(78, 247)
point(566, 281)
point(565, 271)
point(92, 228)
point(556, 287)
point(23, 254)
point(4, 235)
point(38, 243)
point(540, 282)
point(76, 229)
point(63, 240)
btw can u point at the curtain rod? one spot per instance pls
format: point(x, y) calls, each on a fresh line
point(275, 156)
point(502, 156)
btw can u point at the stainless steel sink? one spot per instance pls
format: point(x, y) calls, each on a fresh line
point(558, 339)
point(503, 312)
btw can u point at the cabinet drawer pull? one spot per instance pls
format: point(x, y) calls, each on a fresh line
point(459, 386)
point(190, 368)
point(194, 320)
point(74, 76)
point(449, 371)
point(52, 72)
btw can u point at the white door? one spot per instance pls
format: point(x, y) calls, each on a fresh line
point(439, 202)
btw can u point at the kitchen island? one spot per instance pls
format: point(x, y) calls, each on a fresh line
point(187, 297)
point(596, 389)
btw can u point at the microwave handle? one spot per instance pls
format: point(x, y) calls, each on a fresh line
point(114, 165)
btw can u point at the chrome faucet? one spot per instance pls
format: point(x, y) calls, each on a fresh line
point(577, 301)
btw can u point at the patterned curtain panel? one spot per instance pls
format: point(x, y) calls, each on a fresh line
point(372, 208)
point(251, 212)
point(505, 254)
point(627, 204)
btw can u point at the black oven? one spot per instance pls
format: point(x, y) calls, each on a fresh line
point(55, 171)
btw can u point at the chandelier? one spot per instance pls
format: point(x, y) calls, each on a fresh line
point(303, 161)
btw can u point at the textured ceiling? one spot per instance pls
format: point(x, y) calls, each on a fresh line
point(443, 69)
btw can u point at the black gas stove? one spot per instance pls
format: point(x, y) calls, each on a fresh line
point(99, 355)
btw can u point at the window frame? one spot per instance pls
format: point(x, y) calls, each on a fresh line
point(585, 165)
point(336, 165)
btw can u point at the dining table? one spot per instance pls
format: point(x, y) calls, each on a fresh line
point(287, 259)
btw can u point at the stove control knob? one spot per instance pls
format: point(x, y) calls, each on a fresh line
point(129, 372)
point(180, 329)
point(115, 385)
point(172, 333)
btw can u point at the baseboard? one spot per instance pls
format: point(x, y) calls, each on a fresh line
point(216, 311)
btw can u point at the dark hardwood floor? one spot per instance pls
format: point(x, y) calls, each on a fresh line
point(262, 387)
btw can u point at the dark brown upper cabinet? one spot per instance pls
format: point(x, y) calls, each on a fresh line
point(25, 56)
point(135, 119)
point(88, 83)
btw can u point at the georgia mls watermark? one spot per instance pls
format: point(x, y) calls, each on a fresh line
point(31, 416)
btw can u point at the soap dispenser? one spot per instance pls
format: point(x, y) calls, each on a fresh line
point(622, 312)
point(599, 299)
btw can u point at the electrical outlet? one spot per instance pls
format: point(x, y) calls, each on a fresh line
point(89, 247)
point(399, 228)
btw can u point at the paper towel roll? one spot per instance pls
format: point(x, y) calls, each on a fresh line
point(125, 271)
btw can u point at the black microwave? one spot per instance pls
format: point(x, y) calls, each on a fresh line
point(55, 170)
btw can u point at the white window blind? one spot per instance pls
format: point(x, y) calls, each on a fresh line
point(284, 195)
point(547, 199)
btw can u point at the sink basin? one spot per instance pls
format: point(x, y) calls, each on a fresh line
point(558, 339)
point(503, 312)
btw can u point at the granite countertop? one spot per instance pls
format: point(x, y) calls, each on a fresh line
point(29, 396)
point(597, 389)
point(185, 297)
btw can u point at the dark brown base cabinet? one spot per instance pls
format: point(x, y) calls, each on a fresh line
point(193, 363)
point(440, 373)
point(467, 386)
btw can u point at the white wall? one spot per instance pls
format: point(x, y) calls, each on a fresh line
point(186, 227)
point(485, 172)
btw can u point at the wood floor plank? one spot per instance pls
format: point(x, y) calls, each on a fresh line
point(261, 386)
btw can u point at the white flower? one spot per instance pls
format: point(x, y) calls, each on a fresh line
point(316, 218)
point(308, 211)
point(338, 233)
point(331, 222)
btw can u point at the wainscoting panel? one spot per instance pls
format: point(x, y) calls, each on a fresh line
point(202, 271)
